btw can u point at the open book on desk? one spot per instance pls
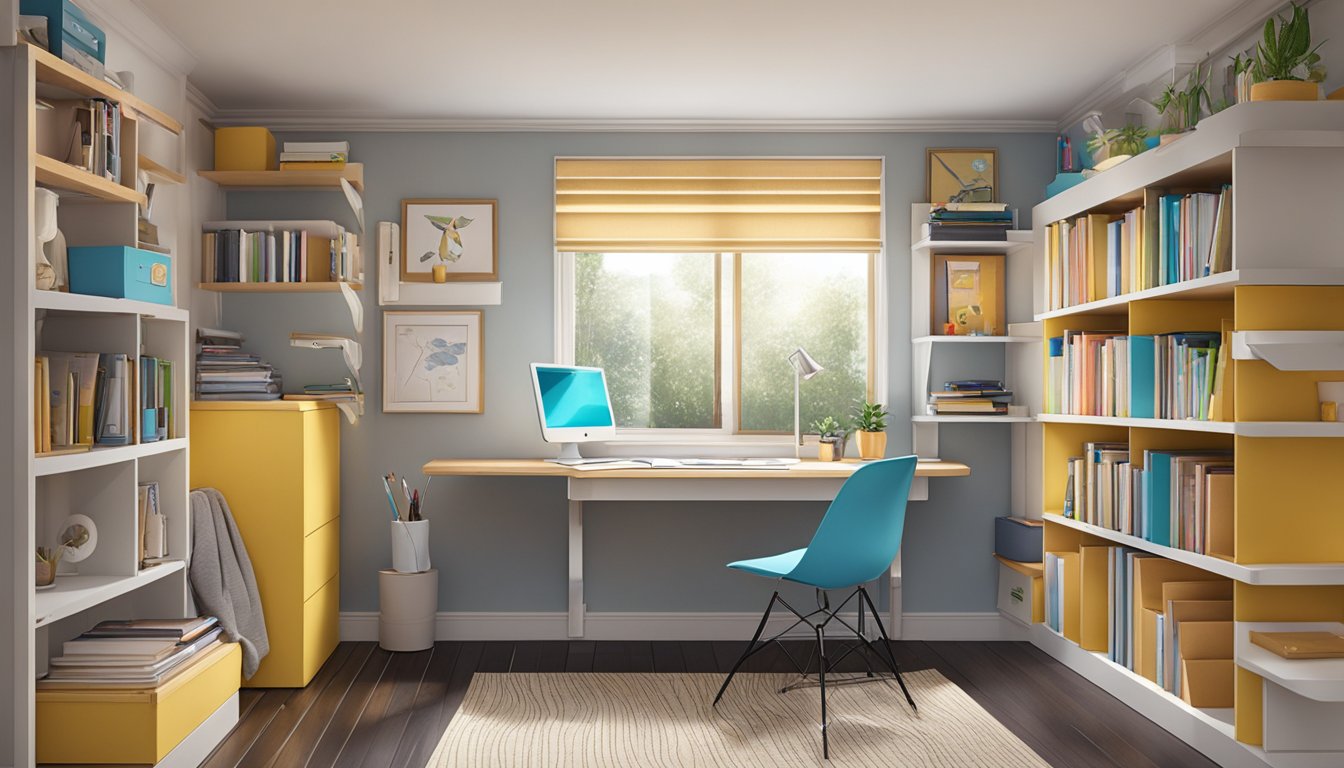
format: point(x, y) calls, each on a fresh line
point(653, 463)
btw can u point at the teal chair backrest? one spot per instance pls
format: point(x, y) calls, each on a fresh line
point(861, 532)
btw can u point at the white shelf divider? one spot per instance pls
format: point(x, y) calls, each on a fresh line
point(101, 457)
point(72, 594)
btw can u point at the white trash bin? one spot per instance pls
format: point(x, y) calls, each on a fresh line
point(407, 606)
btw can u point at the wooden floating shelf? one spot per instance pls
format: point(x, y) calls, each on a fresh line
point(72, 594)
point(56, 73)
point(312, 287)
point(60, 176)
point(158, 172)
point(353, 173)
point(1278, 574)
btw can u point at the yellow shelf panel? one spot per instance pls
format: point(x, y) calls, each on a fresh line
point(330, 179)
point(60, 176)
point(56, 73)
point(313, 287)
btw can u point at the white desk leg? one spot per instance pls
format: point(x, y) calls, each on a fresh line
point(576, 607)
point(894, 596)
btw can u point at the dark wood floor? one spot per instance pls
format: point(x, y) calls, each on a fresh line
point(368, 707)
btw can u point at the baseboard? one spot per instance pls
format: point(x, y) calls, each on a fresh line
point(363, 626)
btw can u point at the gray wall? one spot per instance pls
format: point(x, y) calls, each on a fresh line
point(500, 544)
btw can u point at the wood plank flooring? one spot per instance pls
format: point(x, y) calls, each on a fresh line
point(368, 707)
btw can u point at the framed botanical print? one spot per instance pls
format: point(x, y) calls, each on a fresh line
point(449, 240)
point(433, 362)
point(968, 295)
point(959, 175)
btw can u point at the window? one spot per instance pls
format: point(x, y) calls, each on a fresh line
point(691, 280)
point(699, 341)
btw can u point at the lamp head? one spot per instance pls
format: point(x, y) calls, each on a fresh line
point(803, 364)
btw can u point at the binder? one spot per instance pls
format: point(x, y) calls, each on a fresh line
point(1142, 380)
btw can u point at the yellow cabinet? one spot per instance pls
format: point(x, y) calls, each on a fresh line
point(278, 465)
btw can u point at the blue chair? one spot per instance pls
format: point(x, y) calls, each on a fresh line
point(855, 544)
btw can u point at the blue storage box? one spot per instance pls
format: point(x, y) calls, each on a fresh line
point(1018, 539)
point(70, 34)
point(121, 272)
point(1062, 182)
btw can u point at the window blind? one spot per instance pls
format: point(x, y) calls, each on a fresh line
point(607, 205)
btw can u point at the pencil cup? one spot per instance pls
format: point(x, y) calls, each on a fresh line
point(410, 546)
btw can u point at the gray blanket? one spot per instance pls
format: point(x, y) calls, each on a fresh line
point(222, 577)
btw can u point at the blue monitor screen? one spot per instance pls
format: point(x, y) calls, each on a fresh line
point(573, 397)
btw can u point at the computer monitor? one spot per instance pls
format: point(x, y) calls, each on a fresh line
point(573, 406)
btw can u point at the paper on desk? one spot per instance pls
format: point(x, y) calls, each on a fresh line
point(609, 465)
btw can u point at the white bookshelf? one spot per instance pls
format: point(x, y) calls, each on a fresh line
point(1315, 679)
point(1242, 428)
point(72, 594)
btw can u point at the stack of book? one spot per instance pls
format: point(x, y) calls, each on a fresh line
point(131, 654)
point(314, 155)
point(225, 372)
point(274, 253)
point(969, 221)
point(84, 399)
point(1169, 239)
point(1180, 499)
point(1158, 376)
point(96, 143)
point(983, 397)
point(344, 391)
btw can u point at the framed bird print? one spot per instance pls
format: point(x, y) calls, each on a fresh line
point(433, 362)
point(961, 175)
point(449, 240)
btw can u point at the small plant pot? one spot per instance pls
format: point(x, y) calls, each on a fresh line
point(872, 445)
point(440, 272)
point(830, 450)
point(1285, 90)
point(1336, 95)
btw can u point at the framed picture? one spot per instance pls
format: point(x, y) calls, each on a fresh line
point(959, 175)
point(457, 238)
point(967, 297)
point(433, 362)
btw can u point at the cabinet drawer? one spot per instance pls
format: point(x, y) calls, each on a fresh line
point(321, 626)
point(120, 727)
point(321, 557)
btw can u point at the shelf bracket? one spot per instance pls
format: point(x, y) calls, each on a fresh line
point(353, 304)
point(356, 202)
point(350, 351)
point(1291, 350)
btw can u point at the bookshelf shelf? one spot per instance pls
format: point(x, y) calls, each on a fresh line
point(1316, 679)
point(331, 179)
point(159, 173)
point(63, 177)
point(54, 73)
point(975, 339)
point(61, 301)
point(314, 287)
point(1018, 239)
point(72, 594)
point(1219, 286)
point(1291, 350)
point(1270, 574)
point(1242, 428)
point(44, 466)
point(959, 418)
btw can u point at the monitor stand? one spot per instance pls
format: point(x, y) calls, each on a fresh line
point(569, 456)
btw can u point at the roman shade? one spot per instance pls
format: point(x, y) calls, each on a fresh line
point(608, 205)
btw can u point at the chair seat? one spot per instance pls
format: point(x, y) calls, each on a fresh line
point(774, 566)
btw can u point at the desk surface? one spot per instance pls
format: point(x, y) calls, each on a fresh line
point(805, 470)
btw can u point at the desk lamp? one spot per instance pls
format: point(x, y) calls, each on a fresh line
point(804, 367)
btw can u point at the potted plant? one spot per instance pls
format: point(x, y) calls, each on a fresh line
point(870, 419)
point(1182, 108)
point(44, 569)
point(1115, 145)
point(1286, 66)
point(831, 439)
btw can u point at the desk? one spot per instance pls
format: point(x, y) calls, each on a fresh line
point(805, 481)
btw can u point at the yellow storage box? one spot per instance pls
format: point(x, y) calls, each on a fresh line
point(245, 148)
point(135, 727)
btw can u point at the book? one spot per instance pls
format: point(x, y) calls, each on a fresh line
point(341, 147)
point(332, 165)
point(313, 157)
point(1301, 645)
point(181, 630)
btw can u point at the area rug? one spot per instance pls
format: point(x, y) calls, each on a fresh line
point(617, 720)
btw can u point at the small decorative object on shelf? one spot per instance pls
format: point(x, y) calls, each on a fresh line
point(1331, 394)
point(831, 439)
point(968, 294)
point(50, 274)
point(870, 420)
point(44, 569)
point(1286, 66)
point(1182, 108)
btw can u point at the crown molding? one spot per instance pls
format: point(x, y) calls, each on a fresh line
point(322, 120)
point(196, 99)
point(128, 19)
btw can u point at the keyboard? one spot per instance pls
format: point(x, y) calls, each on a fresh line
point(698, 464)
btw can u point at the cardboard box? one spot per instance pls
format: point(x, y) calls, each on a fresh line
point(245, 148)
point(1018, 539)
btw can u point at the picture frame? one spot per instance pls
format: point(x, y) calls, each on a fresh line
point(433, 362)
point(962, 175)
point(967, 295)
point(461, 235)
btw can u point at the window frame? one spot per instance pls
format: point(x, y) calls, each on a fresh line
point(728, 435)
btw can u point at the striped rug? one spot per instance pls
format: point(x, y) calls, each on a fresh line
point(618, 720)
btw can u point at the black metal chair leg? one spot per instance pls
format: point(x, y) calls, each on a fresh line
point(821, 670)
point(886, 645)
point(750, 646)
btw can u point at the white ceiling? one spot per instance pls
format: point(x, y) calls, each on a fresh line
point(689, 60)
